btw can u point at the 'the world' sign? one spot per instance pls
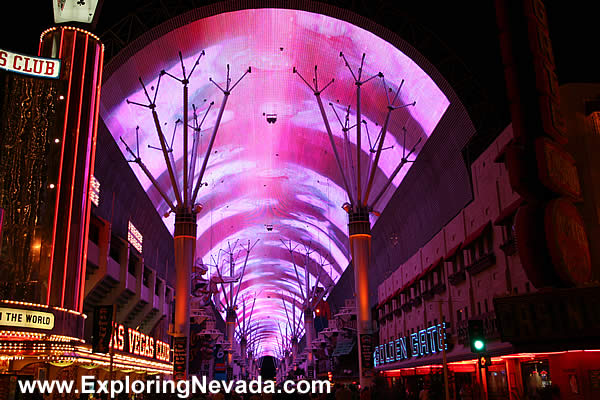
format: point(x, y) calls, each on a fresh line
point(28, 65)
point(26, 318)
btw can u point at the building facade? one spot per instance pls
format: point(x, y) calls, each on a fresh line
point(538, 340)
point(68, 194)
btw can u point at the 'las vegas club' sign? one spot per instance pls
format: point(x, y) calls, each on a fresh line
point(424, 342)
point(28, 65)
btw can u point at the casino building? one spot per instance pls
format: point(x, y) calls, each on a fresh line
point(61, 168)
point(474, 268)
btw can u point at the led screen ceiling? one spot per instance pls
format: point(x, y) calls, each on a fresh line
point(272, 181)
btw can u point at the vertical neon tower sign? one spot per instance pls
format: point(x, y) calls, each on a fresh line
point(82, 56)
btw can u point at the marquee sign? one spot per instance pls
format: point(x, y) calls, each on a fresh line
point(136, 343)
point(28, 65)
point(424, 342)
point(26, 318)
point(19, 316)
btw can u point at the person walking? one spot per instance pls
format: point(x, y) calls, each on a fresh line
point(424, 394)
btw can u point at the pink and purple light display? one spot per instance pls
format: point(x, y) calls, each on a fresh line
point(282, 174)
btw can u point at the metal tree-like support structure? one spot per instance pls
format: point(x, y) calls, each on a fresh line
point(231, 297)
point(293, 329)
point(255, 338)
point(358, 206)
point(310, 295)
point(243, 331)
point(280, 357)
point(185, 207)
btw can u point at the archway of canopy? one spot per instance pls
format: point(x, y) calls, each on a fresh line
point(280, 175)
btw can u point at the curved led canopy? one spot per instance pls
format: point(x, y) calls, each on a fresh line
point(272, 174)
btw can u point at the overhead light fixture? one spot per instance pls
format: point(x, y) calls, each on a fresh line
point(271, 118)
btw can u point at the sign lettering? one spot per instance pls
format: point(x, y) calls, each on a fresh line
point(179, 357)
point(26, 318)
point(163, 351)
point(28, 65)
point(139, 344)
point(118, 339)
point(424, 342)
point(366, 347)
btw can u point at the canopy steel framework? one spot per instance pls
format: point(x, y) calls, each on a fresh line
point(358, 208)
point(310, 294)
point(185, 207)
point(278, 181)
point(230, 289)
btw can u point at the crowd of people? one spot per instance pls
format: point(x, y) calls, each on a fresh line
point(379, 391)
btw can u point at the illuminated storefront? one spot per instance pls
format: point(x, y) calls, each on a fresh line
point(537, 341)
point(49, 270)
point(44, 342)
point(519, 259)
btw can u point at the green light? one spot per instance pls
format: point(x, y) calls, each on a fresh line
point(478, 344)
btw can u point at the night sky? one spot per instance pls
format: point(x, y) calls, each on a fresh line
point(465, 27)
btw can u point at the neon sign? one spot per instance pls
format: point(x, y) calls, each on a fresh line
point(95, 191)
point(139, 344)
point(422, 343)
point(135, 237)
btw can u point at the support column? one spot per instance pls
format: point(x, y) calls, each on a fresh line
point(309, 323)
point(185, 248)
point(230, 325)
point(243, 349)
point(251, 365)
point(359, 229)
point(294, 350)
